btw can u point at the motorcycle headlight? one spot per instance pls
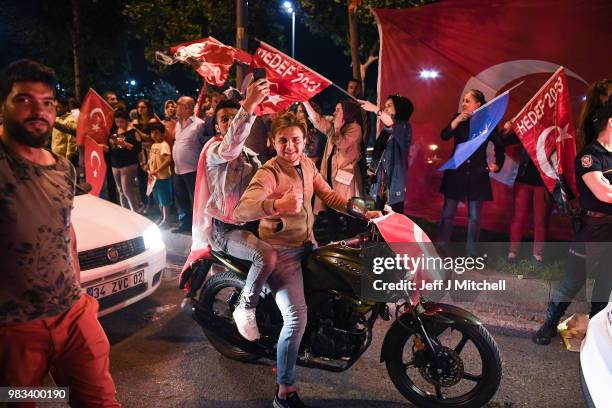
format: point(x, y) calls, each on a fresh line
point(153, 238)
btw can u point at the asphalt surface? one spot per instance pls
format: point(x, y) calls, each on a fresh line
point(161, 358)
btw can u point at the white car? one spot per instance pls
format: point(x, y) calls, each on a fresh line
point(121, 253)
point(596, 360)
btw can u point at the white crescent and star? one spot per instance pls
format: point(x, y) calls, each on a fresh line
point(492, 79)
point(94, 154)
point(103, 117)
point(548, 166)
point(275, 99)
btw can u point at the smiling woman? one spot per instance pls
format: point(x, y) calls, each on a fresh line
point(470, 181)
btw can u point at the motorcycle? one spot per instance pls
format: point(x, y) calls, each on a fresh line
point(437, 355)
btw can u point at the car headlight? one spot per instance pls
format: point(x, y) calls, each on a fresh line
point(152, 237)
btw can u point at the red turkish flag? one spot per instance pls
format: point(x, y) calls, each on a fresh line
point(210, 58)
point(405, 238)
point(546, 130)
point(289, 80)
point(433, 54)
point(95, 119)
point(95, 167)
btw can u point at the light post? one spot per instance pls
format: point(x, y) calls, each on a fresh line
point(130, 84)
point(289, 9)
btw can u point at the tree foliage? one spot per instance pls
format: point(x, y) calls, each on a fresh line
point(160, 93)
point(330, 18)
point(41, 30)
point(164, 23)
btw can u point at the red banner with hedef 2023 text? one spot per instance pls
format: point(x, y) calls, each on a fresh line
point(289, 80)
point(545, 128)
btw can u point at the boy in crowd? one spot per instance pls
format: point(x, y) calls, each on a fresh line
point(160, 159)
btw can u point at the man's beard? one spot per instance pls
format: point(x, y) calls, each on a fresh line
point(19, 133)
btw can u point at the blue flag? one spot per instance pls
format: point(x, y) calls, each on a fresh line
point(482, 123)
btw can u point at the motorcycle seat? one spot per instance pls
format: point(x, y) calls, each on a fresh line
point(237, 262)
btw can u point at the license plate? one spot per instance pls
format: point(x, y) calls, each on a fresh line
point(117, 285)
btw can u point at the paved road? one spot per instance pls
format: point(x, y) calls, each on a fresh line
point(160, 358)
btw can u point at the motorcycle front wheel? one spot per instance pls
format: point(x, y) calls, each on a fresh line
point(468, 375)
point(220, 296)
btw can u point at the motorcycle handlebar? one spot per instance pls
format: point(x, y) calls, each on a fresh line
point(355, 241)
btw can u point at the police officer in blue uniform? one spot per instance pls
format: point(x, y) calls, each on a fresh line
point(591, 251)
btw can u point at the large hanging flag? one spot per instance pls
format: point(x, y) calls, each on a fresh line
point(423, 55)
point(210, 58)
point(483, 121)
point(545, 128)
point(95, 166)
point(290, 81)
point(95, 119)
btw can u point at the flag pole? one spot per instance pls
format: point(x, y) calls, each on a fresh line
point(198, 107)
point(536, 94)
point(299, 63)
point(344, 92)
point(499, 96)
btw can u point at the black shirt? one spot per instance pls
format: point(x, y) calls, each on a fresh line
point(593, 157)
point(121, 157)
point(471, 179)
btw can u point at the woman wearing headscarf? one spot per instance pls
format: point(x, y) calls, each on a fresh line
point(390, 157)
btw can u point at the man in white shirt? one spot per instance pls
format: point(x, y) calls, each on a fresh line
point(189, 134)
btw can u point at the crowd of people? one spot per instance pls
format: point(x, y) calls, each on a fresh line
point(142, 145)
point(262, 180)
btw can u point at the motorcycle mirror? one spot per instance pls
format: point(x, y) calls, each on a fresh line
point(359, 206)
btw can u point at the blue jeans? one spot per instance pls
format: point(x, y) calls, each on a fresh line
point(288, 286)
point(448, 217)
point(244, 245)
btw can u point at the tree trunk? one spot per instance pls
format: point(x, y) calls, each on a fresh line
point(242, 39)
point(76, 32)
point(354, 39)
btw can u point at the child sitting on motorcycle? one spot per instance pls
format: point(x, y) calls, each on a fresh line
point(229, 167)
point(280, 195)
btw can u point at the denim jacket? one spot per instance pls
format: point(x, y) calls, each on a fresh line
point(394, 163)
point(229, 168)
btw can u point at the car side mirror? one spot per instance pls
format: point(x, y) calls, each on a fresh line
point(359, 206)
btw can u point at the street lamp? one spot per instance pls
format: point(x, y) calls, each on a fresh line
point(130, 84)
point(289, 9)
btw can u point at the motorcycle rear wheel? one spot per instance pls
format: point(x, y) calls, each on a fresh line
point(219, 296)
point(416, 386)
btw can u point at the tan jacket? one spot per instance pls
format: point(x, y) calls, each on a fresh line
point(64, 144)
point(271, 181)
point(346, 157)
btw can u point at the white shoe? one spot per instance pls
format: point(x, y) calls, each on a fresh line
point(246, 323)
